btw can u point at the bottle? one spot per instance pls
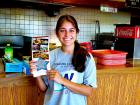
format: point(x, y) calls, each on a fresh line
point(8, 52)
point(113, 45)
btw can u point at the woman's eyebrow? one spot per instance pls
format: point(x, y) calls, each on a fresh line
point(61, 28)
point(72, 28)
point(65, 28)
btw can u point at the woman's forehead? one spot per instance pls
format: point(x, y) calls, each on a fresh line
point(67, 24)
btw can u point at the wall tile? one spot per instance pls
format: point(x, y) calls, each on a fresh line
point(31, 22)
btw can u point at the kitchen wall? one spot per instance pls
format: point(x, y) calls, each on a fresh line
point(31, 22)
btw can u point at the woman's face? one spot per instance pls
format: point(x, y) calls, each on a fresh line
point(67, 34)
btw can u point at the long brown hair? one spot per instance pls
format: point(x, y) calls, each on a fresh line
point(80, 54)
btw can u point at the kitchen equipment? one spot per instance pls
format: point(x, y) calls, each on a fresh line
point(97, 27)
point(127, 32)
point(16, 41)
point(128, 40)
point(104, 40)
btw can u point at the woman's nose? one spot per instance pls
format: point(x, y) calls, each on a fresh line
point(66, 33)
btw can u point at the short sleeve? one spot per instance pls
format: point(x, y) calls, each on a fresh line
point(90, 72)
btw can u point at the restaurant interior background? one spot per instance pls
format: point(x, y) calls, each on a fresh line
point(117, 85)
point(33, 22)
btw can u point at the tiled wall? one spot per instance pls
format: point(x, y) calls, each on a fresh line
point(22, 22)
point(31, 22)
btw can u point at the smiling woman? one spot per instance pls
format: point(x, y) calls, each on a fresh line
point(73, 70)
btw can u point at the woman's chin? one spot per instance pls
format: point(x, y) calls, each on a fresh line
point(67, 44)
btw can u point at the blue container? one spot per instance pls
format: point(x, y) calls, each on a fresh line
point(15, 66)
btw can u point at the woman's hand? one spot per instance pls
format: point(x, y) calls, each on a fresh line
point(32, 66)
point(54, 75)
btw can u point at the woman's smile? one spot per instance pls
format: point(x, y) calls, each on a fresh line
point(67, 39)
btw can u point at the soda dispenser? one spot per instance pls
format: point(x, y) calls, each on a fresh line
point(128, 40)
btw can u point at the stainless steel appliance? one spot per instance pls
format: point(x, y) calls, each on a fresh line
point(104, 40)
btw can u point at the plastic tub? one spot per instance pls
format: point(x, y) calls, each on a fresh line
point(111, 62)
point(109, 54)
point(110, 57)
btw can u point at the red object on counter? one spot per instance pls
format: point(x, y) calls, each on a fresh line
point(127, 32)
point(86, 45)
point(111, 62)
point(110, 57)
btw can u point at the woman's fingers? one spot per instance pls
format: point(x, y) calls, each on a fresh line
point(51, 74)
point(32, 66)
point(54, 75)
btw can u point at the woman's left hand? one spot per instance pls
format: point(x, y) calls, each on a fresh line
point(54, 75)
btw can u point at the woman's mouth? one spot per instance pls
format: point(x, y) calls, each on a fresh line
point(68, 39)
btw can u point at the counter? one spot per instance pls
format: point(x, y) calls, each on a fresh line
point(117, 85)
point(18, 89)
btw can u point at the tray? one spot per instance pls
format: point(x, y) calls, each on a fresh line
point(109, 54)
point(111, 62)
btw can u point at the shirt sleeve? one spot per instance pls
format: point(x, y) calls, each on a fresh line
point(90, 72)
point(45, 79)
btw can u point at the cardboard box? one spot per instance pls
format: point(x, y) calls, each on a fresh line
point(15, 66)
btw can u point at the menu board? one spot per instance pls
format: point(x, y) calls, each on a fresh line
point(133, 3)
point(40, 55)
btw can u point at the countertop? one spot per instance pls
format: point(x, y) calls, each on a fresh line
point(131, 66)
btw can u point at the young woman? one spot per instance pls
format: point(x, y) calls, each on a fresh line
point(73, 71)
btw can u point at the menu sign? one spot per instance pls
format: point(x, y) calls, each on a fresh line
point(133, 3)
point(40, 55)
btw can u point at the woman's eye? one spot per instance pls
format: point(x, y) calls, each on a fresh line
point(61, 30)
point(72, 30)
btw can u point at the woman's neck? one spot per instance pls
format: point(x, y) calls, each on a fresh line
point(68, 49)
